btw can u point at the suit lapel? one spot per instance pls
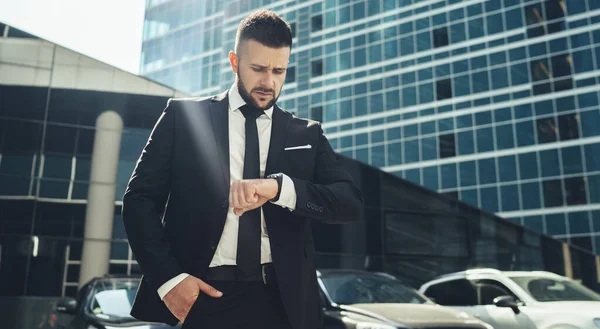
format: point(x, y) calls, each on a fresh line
point(220, 124)
point(278, 135)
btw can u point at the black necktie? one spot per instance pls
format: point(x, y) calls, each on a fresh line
point(249, 231)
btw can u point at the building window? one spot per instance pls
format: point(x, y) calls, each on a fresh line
point(316, 68)
point(560, 72)
point(316, 113)
point(555, 14)
point(293, 28)
point(443, 89)
point(540, 72)
point(316, 23)
point(584, 242)
point(447, 146)
point(451, 194)
point(290, 75)
point(575, 190)
point(568, 126)
point(16, 33)
point(553, 193)
point(440, 37)
point(546, 130)
point(533, 15)
point(548, 20)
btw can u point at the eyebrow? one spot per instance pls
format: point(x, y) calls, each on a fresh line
point(264, 67)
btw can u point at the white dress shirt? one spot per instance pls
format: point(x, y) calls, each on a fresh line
point(226, 251)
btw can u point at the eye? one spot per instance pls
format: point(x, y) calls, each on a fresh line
point(278, 71)
point(256, 69)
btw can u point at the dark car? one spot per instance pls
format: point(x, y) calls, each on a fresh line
point(366, 300)
point(105, 303)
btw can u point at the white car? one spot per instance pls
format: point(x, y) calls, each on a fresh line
point(353, 299)
point(523, 300)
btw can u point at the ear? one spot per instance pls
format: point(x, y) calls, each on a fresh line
point(233, 60)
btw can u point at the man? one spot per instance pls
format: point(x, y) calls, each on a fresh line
point(219, 245)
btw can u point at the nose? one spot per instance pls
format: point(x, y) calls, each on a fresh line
point(267, 79)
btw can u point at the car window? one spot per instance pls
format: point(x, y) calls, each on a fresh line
point(113, 298)
point(488, 290)
point(458, 292)
point(353, 288)
point(554, 290)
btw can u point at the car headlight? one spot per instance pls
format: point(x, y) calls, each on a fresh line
point(597, 322)
point(369, 325)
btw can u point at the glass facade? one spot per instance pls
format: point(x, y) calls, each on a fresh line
point(45, 158)
point(495, 102)
point(417, 234)
point(47, 130)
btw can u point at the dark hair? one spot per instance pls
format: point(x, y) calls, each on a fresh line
point(265, 27)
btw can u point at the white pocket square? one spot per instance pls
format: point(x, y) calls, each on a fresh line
point(307, 146)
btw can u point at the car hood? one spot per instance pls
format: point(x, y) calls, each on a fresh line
point(418, 315)
point(136, 325)
point(573, 307)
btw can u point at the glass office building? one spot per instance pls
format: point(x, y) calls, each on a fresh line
point(50, 99)
point(491, 102)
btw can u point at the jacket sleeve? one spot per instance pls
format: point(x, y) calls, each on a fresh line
point(145, 200)
point(333, 197)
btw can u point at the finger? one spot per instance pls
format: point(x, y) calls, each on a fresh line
point(234, 195)
point(231, 194)
point(259, 203)
point(251, 196)
point(244, 198)
point(239, 211)
point(239, 192)
point(209, 290)
point(247, 195)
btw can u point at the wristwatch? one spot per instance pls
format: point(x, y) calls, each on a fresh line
point(279, 178)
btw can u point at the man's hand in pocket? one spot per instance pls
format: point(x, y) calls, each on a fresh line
point(181, 298)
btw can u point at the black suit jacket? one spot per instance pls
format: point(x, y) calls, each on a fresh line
point(176, 203)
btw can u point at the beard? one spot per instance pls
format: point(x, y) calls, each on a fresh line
point(247, 97)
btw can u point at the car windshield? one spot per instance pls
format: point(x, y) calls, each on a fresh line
point(369, 288)
point(555, 290)
point(112, 299)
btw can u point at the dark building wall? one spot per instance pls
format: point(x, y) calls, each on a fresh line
point(418, 234)
point(46, 140)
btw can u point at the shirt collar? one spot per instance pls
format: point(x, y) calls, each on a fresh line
point(236, 101)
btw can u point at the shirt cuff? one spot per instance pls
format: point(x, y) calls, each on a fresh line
point(287, 197)
point(167, 286)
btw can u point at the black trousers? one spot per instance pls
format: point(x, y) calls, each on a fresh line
point(244, 305)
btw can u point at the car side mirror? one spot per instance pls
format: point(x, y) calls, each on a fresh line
point(67, 306)
point(507, 301)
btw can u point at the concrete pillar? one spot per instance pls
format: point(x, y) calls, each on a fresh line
point(567, 261)
point(598, 268)
point(99, 216)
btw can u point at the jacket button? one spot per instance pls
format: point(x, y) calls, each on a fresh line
point(213, 245)
point(224, 204)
